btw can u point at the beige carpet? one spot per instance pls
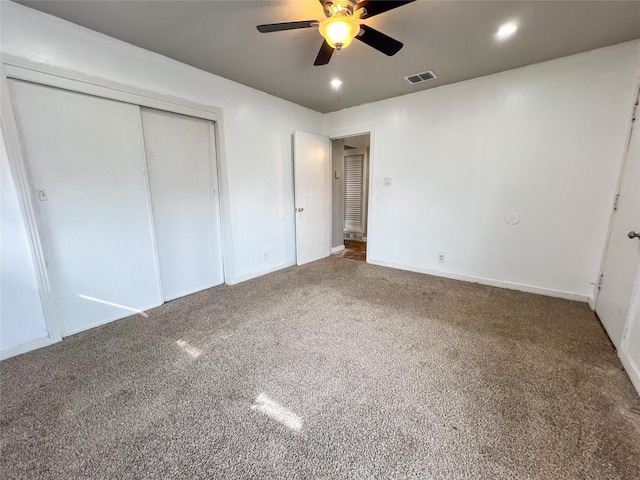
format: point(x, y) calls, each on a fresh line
point(337, 369)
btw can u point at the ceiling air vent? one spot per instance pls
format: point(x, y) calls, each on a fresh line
point(420, 77)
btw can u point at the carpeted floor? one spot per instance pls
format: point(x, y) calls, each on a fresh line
point(337, 369)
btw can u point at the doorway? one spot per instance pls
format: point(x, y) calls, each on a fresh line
point(350, 193)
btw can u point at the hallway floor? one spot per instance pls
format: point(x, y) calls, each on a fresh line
point(354, 250)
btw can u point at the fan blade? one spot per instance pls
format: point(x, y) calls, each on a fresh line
point(278, 27)
point(376, 7)
point(324, 55)
point(378, 40)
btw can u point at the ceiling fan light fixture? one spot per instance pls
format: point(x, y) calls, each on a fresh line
point(338, 31)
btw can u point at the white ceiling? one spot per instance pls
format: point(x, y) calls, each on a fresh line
point(455, 39)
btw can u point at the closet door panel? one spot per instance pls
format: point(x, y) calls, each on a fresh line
point(182, 179)
point(85, 159)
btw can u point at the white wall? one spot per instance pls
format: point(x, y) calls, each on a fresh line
point(21, 318)
point(544, 141)
point(257, 126)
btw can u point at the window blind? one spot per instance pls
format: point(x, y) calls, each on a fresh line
point(354, 193)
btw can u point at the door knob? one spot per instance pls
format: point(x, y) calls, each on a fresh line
point(633, 234)
point(300, 209)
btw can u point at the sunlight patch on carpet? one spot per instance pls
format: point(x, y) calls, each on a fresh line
point(189, 349)
point(277, 412)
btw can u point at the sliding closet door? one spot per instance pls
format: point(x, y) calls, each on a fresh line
point(182, 179)
point(85, 157)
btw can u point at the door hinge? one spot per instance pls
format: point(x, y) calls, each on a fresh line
point(615, 202)
point(598, 283)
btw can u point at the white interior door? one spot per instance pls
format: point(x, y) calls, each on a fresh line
point(312, 179)
point(623, 253)
point(182, 179)
point(631, 341)
point(85, 160)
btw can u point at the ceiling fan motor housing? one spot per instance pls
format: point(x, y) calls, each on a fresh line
point(338, 7)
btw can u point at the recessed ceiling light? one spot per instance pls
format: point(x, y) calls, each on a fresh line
point(336, 83)
point(506, 30)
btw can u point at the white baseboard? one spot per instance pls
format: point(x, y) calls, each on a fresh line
point(337, 249)
point(486, 281)
point(631, 368)
point(249, 276)
point(25, 347)
point(191, 292)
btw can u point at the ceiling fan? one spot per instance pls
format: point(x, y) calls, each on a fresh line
point(342, 25)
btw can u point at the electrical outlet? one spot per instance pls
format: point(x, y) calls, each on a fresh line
point(387, 181)
point(440, 257)
point(265, 256)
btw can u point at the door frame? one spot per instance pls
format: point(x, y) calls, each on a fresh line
point(354, 132)
point(18, 69)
